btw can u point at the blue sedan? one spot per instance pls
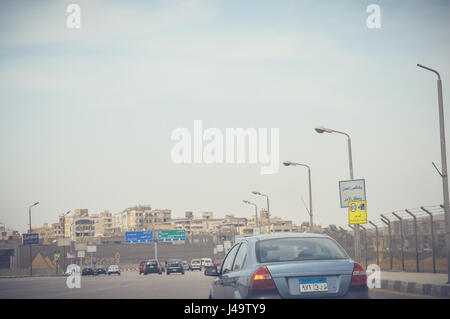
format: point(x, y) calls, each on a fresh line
point(288, 266)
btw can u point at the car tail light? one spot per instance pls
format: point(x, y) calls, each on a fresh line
point(157, 266)
point(262, 280)
point(359, 277)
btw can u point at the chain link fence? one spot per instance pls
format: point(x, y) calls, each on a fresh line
point(404, 240)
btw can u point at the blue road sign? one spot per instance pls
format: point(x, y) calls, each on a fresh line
point(30, 239)
point(136, 237)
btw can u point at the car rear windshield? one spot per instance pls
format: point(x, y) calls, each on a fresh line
point(298, 249)
point(152, 262)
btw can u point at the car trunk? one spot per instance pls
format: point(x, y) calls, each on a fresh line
point(318, 278)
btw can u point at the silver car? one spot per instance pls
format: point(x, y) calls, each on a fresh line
point(288, 266)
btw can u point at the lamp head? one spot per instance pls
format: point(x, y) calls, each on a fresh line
point(34, 204)
point(321, 129)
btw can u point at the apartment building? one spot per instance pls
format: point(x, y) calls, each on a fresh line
point(142, 218)
point(105, 226)
point(204, 224)
point(8, 234)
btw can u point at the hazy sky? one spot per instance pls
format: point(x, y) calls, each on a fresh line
point(86, 114)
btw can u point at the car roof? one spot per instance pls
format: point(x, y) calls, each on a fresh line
point(285, 235)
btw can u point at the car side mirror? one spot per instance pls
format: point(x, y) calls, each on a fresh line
point(211, 271)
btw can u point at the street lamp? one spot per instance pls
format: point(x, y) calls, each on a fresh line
point(4, 228)
point(256, 210)
point(287, 163)
point(268, 209)
point(63, 228)
point(63, 218)
point(444, 165)
point(321, 130)
point(31, 253)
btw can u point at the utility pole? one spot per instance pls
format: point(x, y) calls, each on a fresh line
point(321, 130)
point(444, 166)
point(31, 253)
point(155, 238)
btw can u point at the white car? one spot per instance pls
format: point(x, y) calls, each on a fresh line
point(196, 264)
point(207, 262)
point(113, 269)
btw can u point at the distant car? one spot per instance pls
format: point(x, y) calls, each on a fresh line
point(113, 269)
point(88, 272)
point(174, 265)
point(186, 265)
point(217, 263)
point(288, 266)
point(196, 264)
point(141, 267)
point(152, 266)
point(207, 262)
point(101, 270)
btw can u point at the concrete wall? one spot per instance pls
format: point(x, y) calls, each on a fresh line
point(126, 254)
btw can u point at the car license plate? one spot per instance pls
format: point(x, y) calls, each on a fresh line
point(313, 285)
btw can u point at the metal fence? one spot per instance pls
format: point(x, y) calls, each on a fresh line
point(406, 240)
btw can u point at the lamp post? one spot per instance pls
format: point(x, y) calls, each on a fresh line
point(268, 209)
point(4, 227)
point(256, 211)
point(321, 130)
point(444, 165)
point(310, 192)
point(31, 253)
point(63, 218)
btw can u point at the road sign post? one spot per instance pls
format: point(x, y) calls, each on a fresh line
point(353, 190)
point(81, 254)
point(30, 239)
point(63, 242)
point(56, 256)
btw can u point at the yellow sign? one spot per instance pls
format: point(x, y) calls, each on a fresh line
point(357, 212)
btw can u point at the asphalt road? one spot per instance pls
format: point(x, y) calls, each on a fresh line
point(130, 285)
